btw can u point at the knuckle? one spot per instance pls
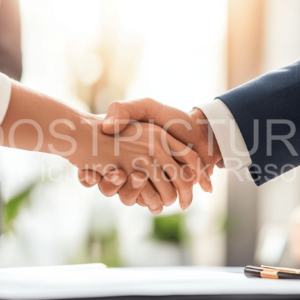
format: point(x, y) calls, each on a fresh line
point(115, 105)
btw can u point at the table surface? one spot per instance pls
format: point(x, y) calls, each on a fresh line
point(96, 282)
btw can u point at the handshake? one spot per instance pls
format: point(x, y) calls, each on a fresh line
point(143, 150)
point(149, 153)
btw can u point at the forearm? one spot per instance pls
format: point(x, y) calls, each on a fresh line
point(33, 120)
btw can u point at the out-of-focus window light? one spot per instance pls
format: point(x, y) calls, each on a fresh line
point(82, 51)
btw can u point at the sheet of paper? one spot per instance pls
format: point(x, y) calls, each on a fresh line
point(94, 280)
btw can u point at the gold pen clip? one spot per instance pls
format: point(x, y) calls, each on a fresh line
point(272, 272)
point(286, 270)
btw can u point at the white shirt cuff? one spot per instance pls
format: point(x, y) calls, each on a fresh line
point(228, 135)
point(5, 90)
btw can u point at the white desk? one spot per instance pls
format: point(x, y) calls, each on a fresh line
point(94, 281)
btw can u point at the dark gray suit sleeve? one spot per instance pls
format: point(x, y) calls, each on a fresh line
point(10, 39)
point(270, 103)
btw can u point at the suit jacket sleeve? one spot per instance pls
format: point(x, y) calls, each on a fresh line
point(10, 39)
point(267, 111)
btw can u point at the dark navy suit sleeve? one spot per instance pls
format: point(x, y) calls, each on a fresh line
point(272, 101)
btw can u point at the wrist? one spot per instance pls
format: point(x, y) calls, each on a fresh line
point(62, 134)
point(90, 152)
point(203, 131)
point(84, 124)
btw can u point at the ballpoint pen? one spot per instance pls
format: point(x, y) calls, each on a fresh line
point(272, 272)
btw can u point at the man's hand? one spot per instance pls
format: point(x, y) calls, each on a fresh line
point(189, 128)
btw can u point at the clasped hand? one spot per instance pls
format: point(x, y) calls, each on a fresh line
point(152, 162)
point(147, 162)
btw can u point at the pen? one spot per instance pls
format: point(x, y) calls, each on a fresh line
point(271, 272)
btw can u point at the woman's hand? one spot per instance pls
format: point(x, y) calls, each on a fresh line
point(37, 122)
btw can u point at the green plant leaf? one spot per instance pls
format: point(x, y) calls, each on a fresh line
point(169, 228)
point(12, 207)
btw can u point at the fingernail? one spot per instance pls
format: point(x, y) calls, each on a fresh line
point(184, 206)
point(137, 182)
point(110, 120)
point(210, 189)
point(116, 180)
point(156, 212)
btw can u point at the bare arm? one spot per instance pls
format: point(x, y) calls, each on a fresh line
point(28, 120)
point(37, 122)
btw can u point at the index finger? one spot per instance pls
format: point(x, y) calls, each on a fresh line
point(191, 158)
point(136, 110)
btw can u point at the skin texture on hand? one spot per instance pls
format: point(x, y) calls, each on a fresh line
point(37, 122)
point(130, 188)
point(192, 128)
point(30, 115)
point(134, 155)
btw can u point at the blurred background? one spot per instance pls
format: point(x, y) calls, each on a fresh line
point(182, 53)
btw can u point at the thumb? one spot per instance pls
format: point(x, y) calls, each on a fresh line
point(120, 113)
point(117, 118)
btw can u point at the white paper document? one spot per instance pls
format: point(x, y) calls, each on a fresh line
point(94, 280)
